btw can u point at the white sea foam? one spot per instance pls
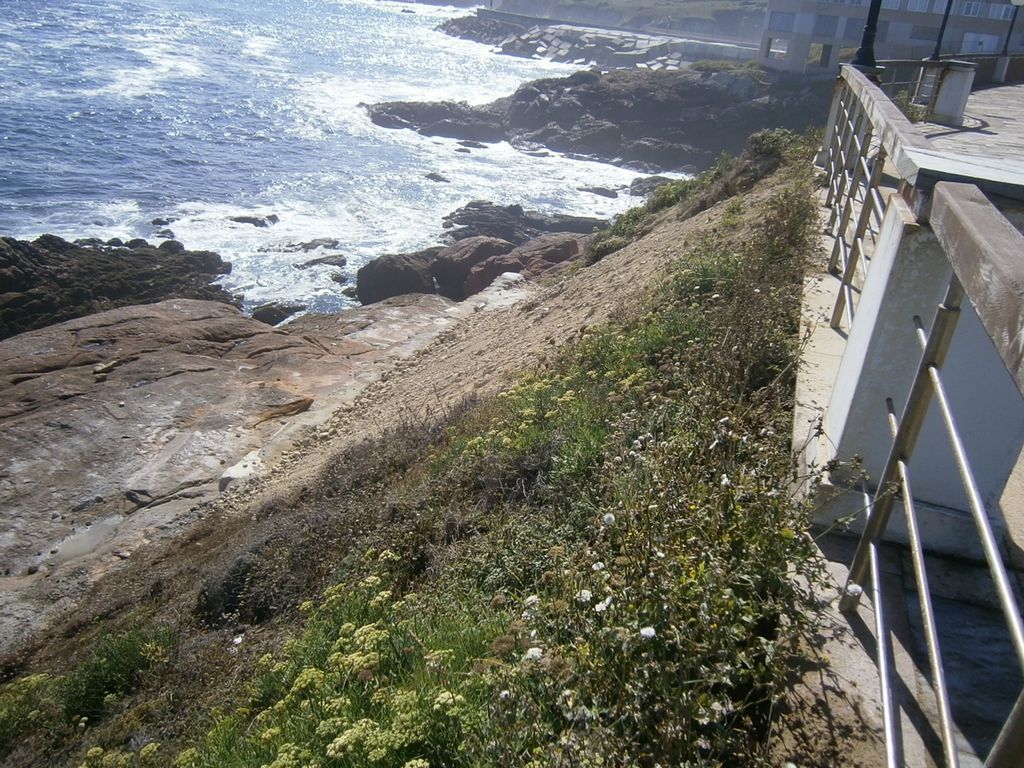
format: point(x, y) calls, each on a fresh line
point(260, 47)
point(263, 117)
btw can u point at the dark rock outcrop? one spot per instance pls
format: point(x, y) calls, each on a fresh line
point(512, 223)
point(453, 265)
point(276, 312)
point(541, 256)
point(51, 280)
point(489, 240)
point(396, 275)
point(257, 221)
point(480, 30)
point(668, 120)
point(644, 185)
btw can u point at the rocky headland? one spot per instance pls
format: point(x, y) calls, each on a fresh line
point(50, 280)
point(639, 118)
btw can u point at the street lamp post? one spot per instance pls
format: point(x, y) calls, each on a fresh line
point(865, 57)
point(1013, 20)
point(942, 31)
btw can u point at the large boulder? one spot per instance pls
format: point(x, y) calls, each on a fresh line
point(548, 253)
point(541, 256)
point(485, 273)
point(454, 263)
point(396, 275)
point(276, 311)
point(51, 280)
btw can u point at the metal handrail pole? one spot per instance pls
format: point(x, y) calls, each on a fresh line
point(843, 174)
point(911, 422)
point(886, 663)
point(981, 521)
point(927, 613)
point(824, 153)
point(860, 144)
point(837, 258)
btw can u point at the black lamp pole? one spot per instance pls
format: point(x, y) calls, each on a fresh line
point(866, 53)
point(942, 31)
point(1013, 20)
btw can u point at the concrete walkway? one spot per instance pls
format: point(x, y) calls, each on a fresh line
point(993, 131)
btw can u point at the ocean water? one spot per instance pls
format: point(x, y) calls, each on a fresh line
point(114, 113)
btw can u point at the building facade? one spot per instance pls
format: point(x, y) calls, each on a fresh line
point(807, 36)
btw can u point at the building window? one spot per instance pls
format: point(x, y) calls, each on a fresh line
point(1002, 11)
point(891, 5)
point(971, 8)
point(775, 48)
point(918, 5)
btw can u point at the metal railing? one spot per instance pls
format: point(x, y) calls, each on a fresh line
point(895, 482)
point(863, 134)
point(854, 161)
point(914, 80)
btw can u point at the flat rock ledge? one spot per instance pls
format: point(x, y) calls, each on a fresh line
point(117, 428)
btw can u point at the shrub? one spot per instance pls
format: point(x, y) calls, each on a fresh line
point(115, 666)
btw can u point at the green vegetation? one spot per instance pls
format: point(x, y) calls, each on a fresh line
point(117, 665)
point(752, 68)
point(915, 113)
point(728, 176)
point(596, 568)
point(630, 225)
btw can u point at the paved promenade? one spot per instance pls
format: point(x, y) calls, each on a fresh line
point(993, 131)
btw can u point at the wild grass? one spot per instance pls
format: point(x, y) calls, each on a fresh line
point(632, 224)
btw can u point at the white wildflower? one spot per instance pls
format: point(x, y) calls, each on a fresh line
point(598, 566)
point(584, 596)
point(726, 482)
point(604, 605)
point(533, 654)
point(647, 633)
point(608, 518)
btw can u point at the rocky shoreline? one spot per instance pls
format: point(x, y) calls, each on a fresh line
point(133, 392)
point(651, 121)
point(51, 280)
point(487, 240)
